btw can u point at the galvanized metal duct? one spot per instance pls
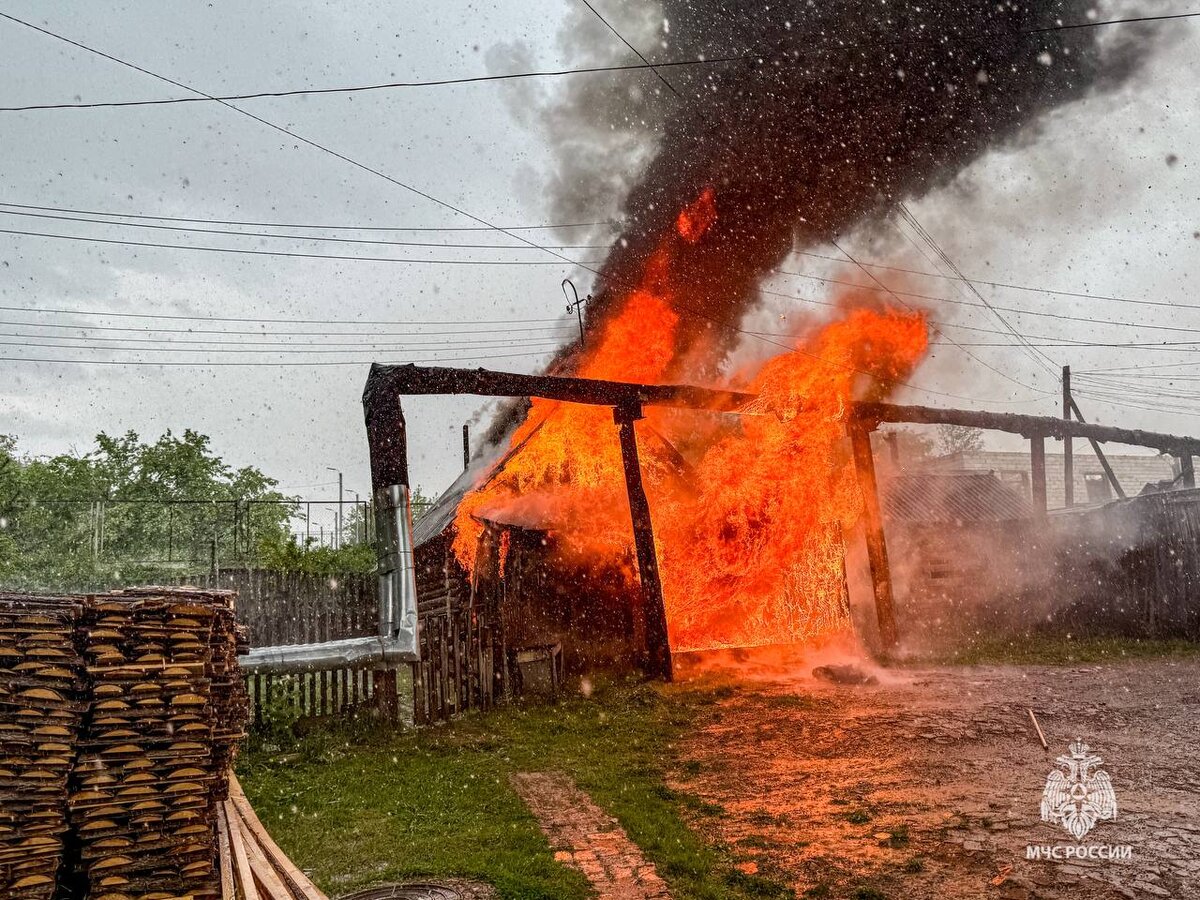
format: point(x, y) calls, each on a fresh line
point(397, 638)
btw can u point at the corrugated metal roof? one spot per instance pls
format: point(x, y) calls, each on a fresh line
point(929, 497)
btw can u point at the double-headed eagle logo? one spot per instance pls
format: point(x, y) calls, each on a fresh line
point(1077, 797)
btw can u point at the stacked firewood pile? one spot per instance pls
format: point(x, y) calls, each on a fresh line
point(167, 711)
point(120, 715)
point(42, 703)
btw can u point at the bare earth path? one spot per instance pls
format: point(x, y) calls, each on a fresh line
point(929, 786)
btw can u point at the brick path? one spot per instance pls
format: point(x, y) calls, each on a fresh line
point(584, 836)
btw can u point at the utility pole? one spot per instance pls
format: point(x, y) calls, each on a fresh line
point(337, 538)
point(1068, 458)
point(467, 445)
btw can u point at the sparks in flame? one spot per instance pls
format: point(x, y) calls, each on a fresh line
point(749, 510)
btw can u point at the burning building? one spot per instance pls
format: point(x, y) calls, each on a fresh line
point(818, 119)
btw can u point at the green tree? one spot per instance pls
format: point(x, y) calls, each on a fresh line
point(129, 511)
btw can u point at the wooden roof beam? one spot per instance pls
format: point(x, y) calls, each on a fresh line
point(412, 379)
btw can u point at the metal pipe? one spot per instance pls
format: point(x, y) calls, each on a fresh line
point(351, 653)
point(397, 572)
point(396, 641)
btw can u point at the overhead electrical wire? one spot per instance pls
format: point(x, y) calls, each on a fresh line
point(951, 340)
point(1169, 304)
point(566, 328)
point(418, 192)
point(644, 65)
point(265, 319)
point(295, 237)
point(208, 348)
point(297, 254)
point(636, 51)
point(266, 363)
point(321, 227)
point(585, 264)
point(1037, 356)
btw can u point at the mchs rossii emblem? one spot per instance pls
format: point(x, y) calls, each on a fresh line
point(1078, 794)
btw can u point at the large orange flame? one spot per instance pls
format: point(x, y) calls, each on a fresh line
point(748, 509)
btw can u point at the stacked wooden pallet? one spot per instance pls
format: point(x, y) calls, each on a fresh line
point(167, 709)
point(42, 704)
point(252, 866)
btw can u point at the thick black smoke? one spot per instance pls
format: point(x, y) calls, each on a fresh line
point(853, 107)
point(843, 109)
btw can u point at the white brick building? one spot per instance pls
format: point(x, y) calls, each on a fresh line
point(1014, 468)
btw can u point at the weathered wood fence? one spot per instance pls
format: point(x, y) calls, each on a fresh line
point(298, 608)
point(460, 639)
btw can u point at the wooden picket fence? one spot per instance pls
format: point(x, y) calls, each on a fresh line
point(298, 608)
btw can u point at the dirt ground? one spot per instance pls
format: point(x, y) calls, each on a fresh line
point(929, 784)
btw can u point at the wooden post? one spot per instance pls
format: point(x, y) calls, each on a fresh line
point(1037, 448)
point(658, 647)
point(466, 445)
point(1068, 458)
point(881, 575)
point(1187, 469)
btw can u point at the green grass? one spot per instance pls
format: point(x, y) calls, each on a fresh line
point(1059, 651)
point(366, 805)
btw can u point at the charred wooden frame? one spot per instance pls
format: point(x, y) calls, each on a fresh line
point(866, 417)
point(386, 384)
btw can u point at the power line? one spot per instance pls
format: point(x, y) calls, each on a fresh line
point(414, 190)
point(951, 340)
point(287, 321)
point(257, 347)
point(294, 237)
point(341, 227)
point(636, 51)
point(644, 65)
point(286, 131)
point(1037, 356)
point(257, 363)
point(586, 265)
point(391, 85)
point(1091, 320)
point(560, 329)
point(242, 222)
point(993, 284)
point(294, 254)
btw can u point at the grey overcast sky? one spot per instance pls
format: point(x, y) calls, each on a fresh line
point(1102, 199)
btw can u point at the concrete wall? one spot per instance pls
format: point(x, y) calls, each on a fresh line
point(1014, 469)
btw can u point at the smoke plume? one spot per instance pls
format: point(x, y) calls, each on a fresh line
point(812, 118)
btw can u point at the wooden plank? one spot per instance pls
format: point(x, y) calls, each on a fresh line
point(225, 855)
point(249, 819)
point(241, 863)
point(270, 886)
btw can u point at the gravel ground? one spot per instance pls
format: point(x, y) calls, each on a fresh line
point(929, 783)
